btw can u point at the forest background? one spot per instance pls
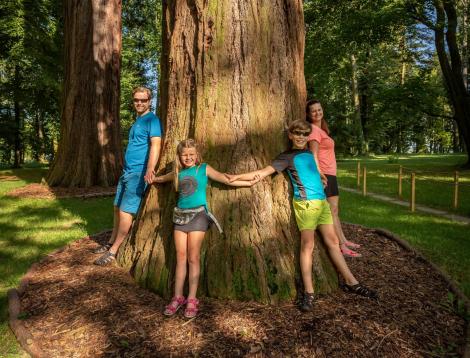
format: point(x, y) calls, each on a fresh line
point(373, 64)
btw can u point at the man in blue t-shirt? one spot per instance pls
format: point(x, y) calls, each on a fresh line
point(140, 160)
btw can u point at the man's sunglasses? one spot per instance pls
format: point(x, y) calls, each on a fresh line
point(138, 100)
point(300, 133)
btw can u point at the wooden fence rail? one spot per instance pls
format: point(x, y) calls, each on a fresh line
point(455, 203)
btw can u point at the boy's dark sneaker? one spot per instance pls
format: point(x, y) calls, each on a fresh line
point(361, 290)
point(306, 303)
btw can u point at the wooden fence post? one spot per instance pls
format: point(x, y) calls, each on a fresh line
point(358, 174)
point(456, 190)
point(364, 181)
point(400, 176)
point(413, 192)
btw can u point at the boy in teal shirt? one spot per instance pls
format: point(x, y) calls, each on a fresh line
point(311, 210)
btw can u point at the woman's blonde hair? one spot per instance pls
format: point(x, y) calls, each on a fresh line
point(187, 143)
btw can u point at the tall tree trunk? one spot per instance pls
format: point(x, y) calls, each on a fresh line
point(90, 146)
point(38, 141)
point(450, 61)
point(232, 78)
point(18, 121)
point(356, 104)
point(365, 104)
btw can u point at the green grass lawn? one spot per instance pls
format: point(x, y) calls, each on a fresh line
point(31, 228)
point(444, 242)
point(433, 189)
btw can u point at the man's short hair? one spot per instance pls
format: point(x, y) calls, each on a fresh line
point(142, 89)
point(300, 125)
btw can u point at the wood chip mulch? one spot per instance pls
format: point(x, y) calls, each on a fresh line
point(42, 191)
point(72, 308)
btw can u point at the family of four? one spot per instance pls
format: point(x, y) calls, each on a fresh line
point(312, 203)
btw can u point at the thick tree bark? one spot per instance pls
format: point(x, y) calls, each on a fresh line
point(232, 78)
point(90, 146)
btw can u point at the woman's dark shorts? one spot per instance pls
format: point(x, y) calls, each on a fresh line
point(201, 222)
point(331, 188)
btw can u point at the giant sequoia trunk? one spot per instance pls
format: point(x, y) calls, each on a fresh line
point(90, 145)
point(232, 78)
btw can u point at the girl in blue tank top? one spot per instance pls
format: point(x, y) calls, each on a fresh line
point(192, 219)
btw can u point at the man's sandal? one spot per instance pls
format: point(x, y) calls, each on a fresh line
point(352, 245)
point(175, 304)
point(102, 249)
point(191, 312)
point(361, 290)
point(106, 259)
point(349, 253)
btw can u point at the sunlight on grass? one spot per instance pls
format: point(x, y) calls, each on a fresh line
point(442, 241)
point(435, 189)
point(31, 228)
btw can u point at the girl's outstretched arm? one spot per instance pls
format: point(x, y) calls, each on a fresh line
point(164, 178)
point(222, 178)
point(255, 175)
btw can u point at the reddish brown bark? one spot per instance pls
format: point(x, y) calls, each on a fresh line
point(90, 146)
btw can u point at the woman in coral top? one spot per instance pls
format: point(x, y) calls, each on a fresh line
point(323, 149)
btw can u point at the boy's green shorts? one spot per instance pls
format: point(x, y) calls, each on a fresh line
point(311, 213)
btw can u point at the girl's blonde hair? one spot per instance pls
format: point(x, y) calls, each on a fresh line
point(187, 143)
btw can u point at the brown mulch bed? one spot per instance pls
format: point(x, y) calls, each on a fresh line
point(72, 308)
point(44, 191)
point(9, 178)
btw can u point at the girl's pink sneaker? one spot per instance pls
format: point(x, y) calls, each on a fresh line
point(174, 306)
point(191, 312)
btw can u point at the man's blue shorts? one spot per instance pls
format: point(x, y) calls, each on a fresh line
point(129, 192)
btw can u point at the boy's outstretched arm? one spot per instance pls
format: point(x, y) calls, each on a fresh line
point(255, 175)
point(223, 178)
point(164, 178)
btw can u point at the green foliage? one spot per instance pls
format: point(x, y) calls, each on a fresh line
point(30, 76)
point(377, 75)
point(31, 71)
point(141, 48)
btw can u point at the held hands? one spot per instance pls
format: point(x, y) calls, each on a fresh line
point(231, 177)
point(255, 179)
point(149, 176)
point(252, 179)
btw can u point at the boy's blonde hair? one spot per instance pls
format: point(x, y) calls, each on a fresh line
point(300, 125)
point(187, 143)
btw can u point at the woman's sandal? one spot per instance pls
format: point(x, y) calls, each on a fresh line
point(191, 312)
point(361, 290)
point(102, 249)
point(174, 306)
point(352, 245)
point(106, 259)
point(349, 253)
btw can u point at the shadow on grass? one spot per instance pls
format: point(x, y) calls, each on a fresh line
point(32, 228)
